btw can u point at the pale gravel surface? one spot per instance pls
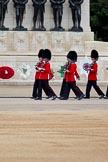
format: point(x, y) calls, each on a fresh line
point(52, 131)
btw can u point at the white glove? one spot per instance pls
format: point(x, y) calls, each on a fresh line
point(40, 69)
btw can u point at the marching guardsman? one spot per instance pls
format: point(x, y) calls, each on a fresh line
point(69, 78)
point(38, 67)
point(37, 74)
point(106, 93)
point(106, 97)
point(92, 76)
point(45, 73)
point(62, 90)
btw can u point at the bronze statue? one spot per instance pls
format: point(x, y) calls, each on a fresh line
point(20, 9)
point(57, 6)
point(39, 9)
point(3, 9)
point(75, 6)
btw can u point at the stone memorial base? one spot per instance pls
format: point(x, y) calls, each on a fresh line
point(19, 50)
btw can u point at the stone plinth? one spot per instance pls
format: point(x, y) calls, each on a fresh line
point(19, 50)
point(30, 42)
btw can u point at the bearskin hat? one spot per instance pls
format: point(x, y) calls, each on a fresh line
point(94, 54)
point(72, 55)
point(47, 54)
point(41, 52)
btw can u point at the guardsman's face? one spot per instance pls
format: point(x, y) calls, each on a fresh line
point(93, 60)
point(69, 60)
point(40, 58)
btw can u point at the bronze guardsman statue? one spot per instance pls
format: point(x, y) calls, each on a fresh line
point(75, 6)
point(3, 9)
point(57, 6)
point(39, 10)
point(20, 9)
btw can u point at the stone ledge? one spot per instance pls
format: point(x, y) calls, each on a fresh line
point(53, 82)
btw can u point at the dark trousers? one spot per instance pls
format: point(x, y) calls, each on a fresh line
point(75, 89)
point(44, 84)
point(95, 86)
point(35, 88)
point(62, 91)
point(107, 92)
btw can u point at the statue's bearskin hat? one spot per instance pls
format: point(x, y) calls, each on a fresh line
point(47, 54)
point(94, 54)
point(41, 53)
point(72, 55)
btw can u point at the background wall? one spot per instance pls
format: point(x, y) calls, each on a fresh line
point(19, 49)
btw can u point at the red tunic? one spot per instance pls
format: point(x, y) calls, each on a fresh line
point(93, 72)
point(44, 74)
point(76, 74)
point(37, 71)
point(65, 75)
point(72, 71)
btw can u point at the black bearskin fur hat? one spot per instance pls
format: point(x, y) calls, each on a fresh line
point(72, 55)
point(41, 53)
point(94, 54)
point(47, 54)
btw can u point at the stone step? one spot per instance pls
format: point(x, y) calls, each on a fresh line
point(52, 82)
